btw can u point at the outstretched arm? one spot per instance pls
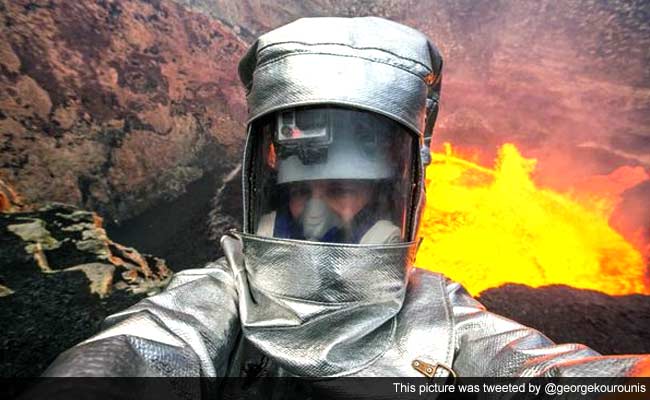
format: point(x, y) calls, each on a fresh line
point(490, 345)
point(190, 329)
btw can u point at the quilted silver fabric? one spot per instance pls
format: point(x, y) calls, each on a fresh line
point(291, 292)
point(345, 61)
point(367, 63)
point(326, 310)
point(188, 330)
point(490, 345)
point(374, 321)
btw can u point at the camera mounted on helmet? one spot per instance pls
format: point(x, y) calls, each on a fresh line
point(304, 133)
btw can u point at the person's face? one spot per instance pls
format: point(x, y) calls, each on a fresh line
point(344, 197)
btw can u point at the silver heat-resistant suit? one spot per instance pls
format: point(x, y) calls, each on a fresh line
point(314, 309)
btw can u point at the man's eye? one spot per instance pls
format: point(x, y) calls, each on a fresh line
point(299, 191)
point(340, 191)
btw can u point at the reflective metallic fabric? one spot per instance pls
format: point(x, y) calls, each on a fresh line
point(188, 330)
point(291, 292)
point(365, 63)
point(346, 61)
point(325, 310)
point(192, 329)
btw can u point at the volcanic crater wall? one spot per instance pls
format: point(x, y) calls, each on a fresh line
point(114, 105)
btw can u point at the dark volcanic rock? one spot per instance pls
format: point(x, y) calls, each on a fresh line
point(60, 276)
point(178, 230)
point(608, 324)
point(48, 315)
point(114, 105)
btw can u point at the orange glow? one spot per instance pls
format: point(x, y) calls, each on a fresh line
point(486, 227)
point(271, 157)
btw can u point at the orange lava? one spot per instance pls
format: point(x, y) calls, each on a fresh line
point(486, 227)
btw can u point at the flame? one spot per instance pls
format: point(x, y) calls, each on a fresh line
point(485, 227)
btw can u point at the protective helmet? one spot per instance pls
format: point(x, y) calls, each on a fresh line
point(340, 115)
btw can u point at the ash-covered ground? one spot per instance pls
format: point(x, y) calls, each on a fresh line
point(608, 324)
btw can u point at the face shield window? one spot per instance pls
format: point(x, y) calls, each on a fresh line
point(331, 175)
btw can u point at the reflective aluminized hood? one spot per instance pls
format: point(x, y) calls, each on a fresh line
point(318, 309)
point(368, 63)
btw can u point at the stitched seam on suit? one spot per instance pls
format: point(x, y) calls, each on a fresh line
point(393, 331)
point(412, 129)
point(368, 363)
point(348, 46)
point(315, 302)
point(299, 53)
point(294, 243)
point(317, 319)
point(451, 341)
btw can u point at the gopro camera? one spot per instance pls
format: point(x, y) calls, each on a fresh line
point(305, 133)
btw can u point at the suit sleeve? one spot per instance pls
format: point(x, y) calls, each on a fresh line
point(490, 345)
point(188, 330)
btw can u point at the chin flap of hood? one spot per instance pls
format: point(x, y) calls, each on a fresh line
point(319, 309)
